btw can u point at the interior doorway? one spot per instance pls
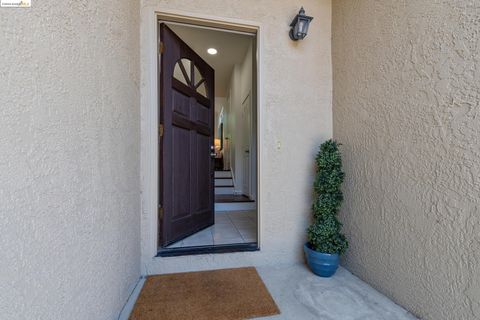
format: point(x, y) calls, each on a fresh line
point(207, 141)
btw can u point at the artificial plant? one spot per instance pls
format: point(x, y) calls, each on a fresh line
point(324, 234)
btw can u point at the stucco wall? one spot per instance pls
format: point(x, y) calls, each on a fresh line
point(296, 117)
point(69, 159)
point(406, 103)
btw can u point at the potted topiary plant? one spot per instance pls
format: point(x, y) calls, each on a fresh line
point(325, 242)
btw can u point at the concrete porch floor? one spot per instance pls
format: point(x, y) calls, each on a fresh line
point(301, 295)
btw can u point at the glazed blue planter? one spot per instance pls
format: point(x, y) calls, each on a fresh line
point(322, 264)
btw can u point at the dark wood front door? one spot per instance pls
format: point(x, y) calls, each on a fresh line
point(186, 140)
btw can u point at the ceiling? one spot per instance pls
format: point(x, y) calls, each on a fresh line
point(231, 47)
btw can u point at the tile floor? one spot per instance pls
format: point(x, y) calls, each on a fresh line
point(230, 227)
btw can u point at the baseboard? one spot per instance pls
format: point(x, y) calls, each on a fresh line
point(128, 307)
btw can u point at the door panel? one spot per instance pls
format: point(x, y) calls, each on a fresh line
point(187, 115)
point(203, 115)
point(181, 172)
point(181, 104)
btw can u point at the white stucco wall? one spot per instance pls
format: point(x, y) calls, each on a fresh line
point(295, 118)
point(69, 159)
point(406, 102)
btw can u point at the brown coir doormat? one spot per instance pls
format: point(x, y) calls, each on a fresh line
point(227, 294)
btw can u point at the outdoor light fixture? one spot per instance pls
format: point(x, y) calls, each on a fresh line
point(299, 25)
point(212, 51)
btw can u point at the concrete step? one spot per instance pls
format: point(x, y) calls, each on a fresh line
point(223, 182)
point(223, 174)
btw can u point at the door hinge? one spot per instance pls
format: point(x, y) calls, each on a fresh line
point(160, 130)
point(160, 213)
point(161, 47)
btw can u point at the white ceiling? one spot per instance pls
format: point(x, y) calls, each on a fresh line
point(231, 47)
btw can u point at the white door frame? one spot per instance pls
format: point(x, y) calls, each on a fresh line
point(149, 120)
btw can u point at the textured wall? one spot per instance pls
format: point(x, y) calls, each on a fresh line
point(69, 159)
point(296, 117)
point(406, 103)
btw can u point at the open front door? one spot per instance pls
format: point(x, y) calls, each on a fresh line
point(186, 199)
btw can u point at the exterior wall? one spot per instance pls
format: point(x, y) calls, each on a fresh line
point(295, 117)
point(69, 159)
point(406, 100)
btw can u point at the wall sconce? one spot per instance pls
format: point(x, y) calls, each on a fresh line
point(299, 25)
point(218, 144)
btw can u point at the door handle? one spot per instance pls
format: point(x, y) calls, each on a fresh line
point(212, 152)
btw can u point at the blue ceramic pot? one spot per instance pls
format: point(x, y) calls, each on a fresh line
point(322, 264)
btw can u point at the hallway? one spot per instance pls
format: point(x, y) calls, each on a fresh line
point(230, 228)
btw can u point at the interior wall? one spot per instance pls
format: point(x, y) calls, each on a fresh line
point(295, 117)
point(232, 120)
point(406, 101)
point(220, 103)
point(69, 159)
point(241, 87)
point(228, 124)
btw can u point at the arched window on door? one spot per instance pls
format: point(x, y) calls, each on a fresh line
point(187, 73)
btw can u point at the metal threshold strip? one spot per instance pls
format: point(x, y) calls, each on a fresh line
point(223, 248)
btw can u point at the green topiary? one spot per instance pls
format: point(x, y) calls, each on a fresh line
point(324, 234)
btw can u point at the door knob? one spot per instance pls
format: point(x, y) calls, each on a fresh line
point(212, 152)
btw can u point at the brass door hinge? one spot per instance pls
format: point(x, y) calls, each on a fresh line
point(161, 48)
point(160, 130)
point(160, 213)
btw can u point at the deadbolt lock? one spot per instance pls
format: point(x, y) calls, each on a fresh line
point(212, 151)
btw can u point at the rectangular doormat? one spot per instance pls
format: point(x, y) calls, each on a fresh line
point(227, 294)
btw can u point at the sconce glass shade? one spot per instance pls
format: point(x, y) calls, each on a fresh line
point(299, 25)
point(218, 144)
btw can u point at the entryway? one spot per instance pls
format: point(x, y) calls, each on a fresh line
point(231, 227)
point(226, 294)
point(207, 140)
point(298, 293)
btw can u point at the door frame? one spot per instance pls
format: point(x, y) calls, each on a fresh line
point(149, 121)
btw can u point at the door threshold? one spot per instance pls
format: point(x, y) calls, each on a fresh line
point(223, 248)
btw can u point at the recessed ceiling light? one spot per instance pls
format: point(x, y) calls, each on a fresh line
point(212, 51)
